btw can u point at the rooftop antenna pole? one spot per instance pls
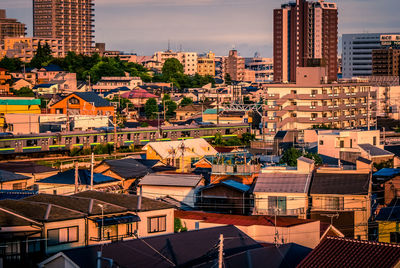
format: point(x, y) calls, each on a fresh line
point(91, 171)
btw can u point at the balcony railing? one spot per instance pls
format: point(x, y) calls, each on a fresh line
point(112, 237)
point(280, 212)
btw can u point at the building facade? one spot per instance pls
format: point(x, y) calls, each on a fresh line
point(357, 53)
point(312, 102)
point(4, 78)
point(72, 21)
point(24, 48)
point(234, 66)
point(304, 31)
point(206, 64)
point(10, 27)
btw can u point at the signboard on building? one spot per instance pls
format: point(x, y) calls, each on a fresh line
point(391, 40)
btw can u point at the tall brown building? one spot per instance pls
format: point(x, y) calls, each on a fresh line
point(10, 27)
point(70, 20)
point(234, 66)
point(305, 34)
point(386, 61)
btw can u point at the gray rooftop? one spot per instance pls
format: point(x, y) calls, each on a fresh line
point(373, 150)
point(282, 183)
point(182, 180)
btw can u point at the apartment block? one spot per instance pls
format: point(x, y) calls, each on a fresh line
point(187, 59)
point(311, 101)
point(357, 53)
point(4, 78)
point(206, 64)
point(24, 48)
point(10, 27)
point(305, 31)
point(386, 61)
point(234, 66)
point(262, 67)
point(72, 21)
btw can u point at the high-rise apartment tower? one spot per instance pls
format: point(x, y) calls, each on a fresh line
point(10, 27)
point(305, 34)
point(70, 20)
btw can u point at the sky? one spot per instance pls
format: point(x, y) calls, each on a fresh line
point(145, 26)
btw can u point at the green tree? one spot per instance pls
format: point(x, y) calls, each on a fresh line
point(218, 139)
point(186, 101)
point(151, 108)
point(24, 92)
point(247, 138)
point(170, 106)
point(178, 227)
point(11, 64)
point(314, 156)
point(42, 56)
point(228, 79)
point(172, 68)
point(290, 156)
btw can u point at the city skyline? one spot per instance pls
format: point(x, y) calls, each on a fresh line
point(217, 25)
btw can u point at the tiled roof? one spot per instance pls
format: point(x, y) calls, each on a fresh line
point(389, 214)
point(125, 200)
point(282, 183)
point(93, 98)
point(240, 220)
point(12, 220)
point(53, 68)
point(138, 94)
point(26, 167)
point(387, 172)
point(6, 176)
point(345, 252)
point(195, 148)
point(37, 211)
point(82, 204)
point(374, 151)
point(237, 185)
point(185, 249)
point(128, 168)
point(44, 86)
point(191, 108)
point(68, 177)
point(336, 183)
point(180, 180)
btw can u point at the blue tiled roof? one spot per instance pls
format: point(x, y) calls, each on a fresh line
point(6, 176)
point(212, 111)
point(43, 86)
point(387, 172)
point(68, 177)
point(236, 185)
point(53, 68)
point(15, 194)
point(93, 98)
point(389, 214)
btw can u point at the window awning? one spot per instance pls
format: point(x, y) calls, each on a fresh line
point(107, 221)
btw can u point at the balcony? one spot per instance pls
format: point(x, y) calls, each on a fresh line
point(280, 212)
point(112, 238)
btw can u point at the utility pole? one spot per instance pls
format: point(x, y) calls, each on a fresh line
point(67, 128)
point(115, 131)
point(91, 171)
point(263, 119)
point(217, 107)
point(221, 251)
point(368, 123)
point(76, 177)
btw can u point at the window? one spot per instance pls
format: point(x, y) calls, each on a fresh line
point(341, 144)
point(157, 224)
point(334, 203)
point(277, 204)
point(395, 237)
point(18, 186)
point(374, 140)
point(131, 228)
point(351, 143)
point(62, 235)
point(73, 101)
point(321, 142)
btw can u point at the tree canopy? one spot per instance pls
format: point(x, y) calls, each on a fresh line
point(186, 101)
point(170, 106)
point(290, 156)
point(11, 64)
point(151, 108)
point(42, 56)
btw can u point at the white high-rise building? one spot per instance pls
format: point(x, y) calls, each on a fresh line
point(357, 53)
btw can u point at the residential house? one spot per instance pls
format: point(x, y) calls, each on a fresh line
point(66, 82)
point(29, 169)
point(109, 83)
point(191, 110)
point(389, 223)
point(138, 96)
point(104, 223)
point(48, 88)
point(60, 228)
point(345, 252)
point(156, 218)
point(71, 181)
point(48, 73)
point(284, 191)
point(182, 187)
point(17, 105)
point(20, 83)
point(127, 170)
point(348, 145)
point(186, 249)
point(13, 181)
point(4, 78)
point(264, 229)
point(228, 197)
point(386, 185)
point(343, 198)
point(226, 117)
point(180, 154)
point(82, 103)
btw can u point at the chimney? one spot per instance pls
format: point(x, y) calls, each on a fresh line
point(139, 200)
point(90, 206)
point(47, 214)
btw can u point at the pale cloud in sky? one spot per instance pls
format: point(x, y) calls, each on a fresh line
point(145, 26)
